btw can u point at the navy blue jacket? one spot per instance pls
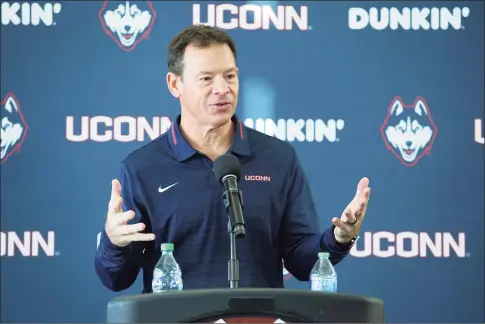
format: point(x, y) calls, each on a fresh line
point(281, 221)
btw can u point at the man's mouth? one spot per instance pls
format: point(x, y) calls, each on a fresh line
point(221, 104)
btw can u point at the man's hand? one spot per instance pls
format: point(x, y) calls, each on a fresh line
point(348, 225)
point(119, 232)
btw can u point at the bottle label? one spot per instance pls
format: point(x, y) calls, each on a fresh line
point(324, 284)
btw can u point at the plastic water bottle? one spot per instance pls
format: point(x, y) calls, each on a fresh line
point(167, 275)
point(323, 276)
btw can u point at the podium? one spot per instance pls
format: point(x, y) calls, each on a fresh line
point(245, 305)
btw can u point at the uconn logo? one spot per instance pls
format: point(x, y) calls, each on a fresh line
point(30, 244)
point(251, 17)
point(257, 178)
point(384, 244)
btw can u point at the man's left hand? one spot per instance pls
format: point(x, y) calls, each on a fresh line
point(348, 225)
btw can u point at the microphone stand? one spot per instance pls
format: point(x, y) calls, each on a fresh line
point(234, 231)
point(233, 265)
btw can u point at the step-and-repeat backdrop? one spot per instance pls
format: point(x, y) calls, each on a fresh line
point(389, 90)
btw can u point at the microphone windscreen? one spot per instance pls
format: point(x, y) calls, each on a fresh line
point(227, 164)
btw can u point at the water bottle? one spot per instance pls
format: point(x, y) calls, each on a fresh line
point(323, 276)
point(167, 275)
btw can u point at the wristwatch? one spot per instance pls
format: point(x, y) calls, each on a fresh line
point(349, 245)
point(353, 241)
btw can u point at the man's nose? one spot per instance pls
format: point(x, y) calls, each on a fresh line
point(220, 86)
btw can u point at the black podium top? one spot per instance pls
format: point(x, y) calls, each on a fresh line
point(245, 305)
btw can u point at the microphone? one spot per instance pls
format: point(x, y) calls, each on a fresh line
point(227, 171)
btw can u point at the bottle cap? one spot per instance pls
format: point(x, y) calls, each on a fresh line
point(323, 255)
point(167, 247)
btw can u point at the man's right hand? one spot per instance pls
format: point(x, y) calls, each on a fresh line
point(117, 228)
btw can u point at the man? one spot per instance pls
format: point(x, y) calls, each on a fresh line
point(168, 193)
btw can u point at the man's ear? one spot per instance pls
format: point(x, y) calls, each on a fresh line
point(173, 83)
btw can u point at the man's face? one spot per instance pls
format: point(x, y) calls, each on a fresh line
point(210, 86)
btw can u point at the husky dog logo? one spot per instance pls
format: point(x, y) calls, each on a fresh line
point(127, 22)
point(14, 128)
point(409, 131)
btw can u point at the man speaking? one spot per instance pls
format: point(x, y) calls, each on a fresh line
point(167, 191)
